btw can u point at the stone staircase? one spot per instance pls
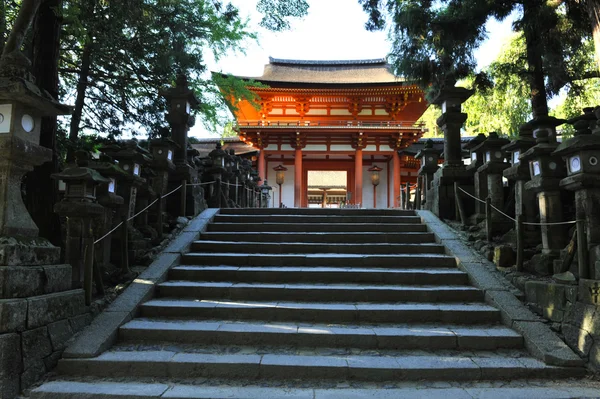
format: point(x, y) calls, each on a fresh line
point(306, 297)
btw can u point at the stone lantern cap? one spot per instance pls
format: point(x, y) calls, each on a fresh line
point(475, 142)
point(584, 124)
point(427, 150)
point(578, 143)
point(581, 154)
point(106, 166)
point(81, 181)
point(452, 95)
point(546, 168)
point(494, 159)
point(18, 89)
point(80, 174)
point(492, 142)
point(180, 90)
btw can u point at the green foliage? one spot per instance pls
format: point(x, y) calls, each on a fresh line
point(502, 105)
point(138, 52)
point(229, 131)
point(276, 13)
point(434, 41)
point(586, 95)
point(429, 119)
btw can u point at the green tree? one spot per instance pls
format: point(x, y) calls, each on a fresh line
point(429, 120)
point(502, 105)
point(433, 41)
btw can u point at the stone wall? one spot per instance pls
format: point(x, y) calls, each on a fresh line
point(38, 314)
point(576, 321)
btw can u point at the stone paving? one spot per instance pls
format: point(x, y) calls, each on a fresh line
point(298, 319)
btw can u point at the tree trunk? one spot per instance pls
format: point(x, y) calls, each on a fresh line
point(593, 9)
point(82, 85)
point(539, 101)
point(27, 11)
point(42, 191)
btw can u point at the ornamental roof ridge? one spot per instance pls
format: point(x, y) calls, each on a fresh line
point(372, 61)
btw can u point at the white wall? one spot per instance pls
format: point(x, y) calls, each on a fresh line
point(287, 188)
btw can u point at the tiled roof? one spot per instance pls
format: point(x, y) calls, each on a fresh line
point(328, 72)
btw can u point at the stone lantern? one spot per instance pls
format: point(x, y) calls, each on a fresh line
point(234, 178)
point(476, 154)
point(480, 190)
point(111, 202)
point(582, 156)
point(79, 206)
point(245, 168)
point(518, 174)
point(547, 170)
point(22, 106)
point(493, 166)
point(163, 150)
point(217, 172)
point(265, 194)
point(181, 101)
point(429, 165)
point(453, 169)
point(130, 161)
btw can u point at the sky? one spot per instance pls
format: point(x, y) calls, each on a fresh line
point(332, 30)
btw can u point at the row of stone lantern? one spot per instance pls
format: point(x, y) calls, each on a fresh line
point(233, 182)
point(546, 176)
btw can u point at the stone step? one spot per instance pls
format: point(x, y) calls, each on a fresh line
point(316, 211)
point(330, 312)
point(329, 260)
point(317, 292)
point(395, 366)
point(300, 219)
point(106, 389)
point(406, 336)
point(268, 226)
point(304, 248)
point(320, 237)
point(448, 276)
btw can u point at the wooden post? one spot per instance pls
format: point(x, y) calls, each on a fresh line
point(183, 211)
point(460, 209)
point(401, 198)
point(125, 245)
point(98, 277)
point(407, 197)
point(159, 217)
point(88, 259)
point(488, 218)
point(582, 250)
point(520, 242)
point(418, 196)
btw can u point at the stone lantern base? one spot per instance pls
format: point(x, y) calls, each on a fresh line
point(442, 202)
point(195, 202)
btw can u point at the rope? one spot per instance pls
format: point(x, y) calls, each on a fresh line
point(200, 184)
point(136, 215)
point(107, 234)
point(471, 195)
point(502, 213)
point(553, 223)
point(515, 220)
point(233, 185)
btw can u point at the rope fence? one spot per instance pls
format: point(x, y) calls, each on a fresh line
point(137, 214)
point(580, 233)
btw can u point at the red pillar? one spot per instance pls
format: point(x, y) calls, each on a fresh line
point(358, 173)
point(261, 166)
point(396, 179)
point(298, 178)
